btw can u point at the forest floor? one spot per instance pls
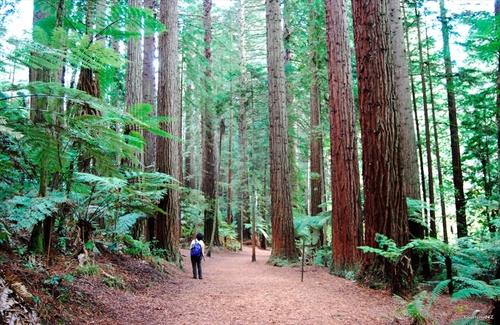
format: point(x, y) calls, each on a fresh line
point(236, 291)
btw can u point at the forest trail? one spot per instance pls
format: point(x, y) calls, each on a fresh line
point(236, 291)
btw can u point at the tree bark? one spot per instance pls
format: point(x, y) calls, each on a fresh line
point(458, 181)
point(283, 245)
point(148, 90)
point(208, 180)
point(346, 211)
point(385, 205)
point(148, 97)
point(168, 155)
point(497, 28)
point(291, 114)
point(244, 196)
point(316, 140)
point(229, 212)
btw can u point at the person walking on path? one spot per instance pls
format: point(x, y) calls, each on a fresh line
point(197, 249)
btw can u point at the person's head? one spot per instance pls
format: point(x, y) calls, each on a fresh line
point(199, 236)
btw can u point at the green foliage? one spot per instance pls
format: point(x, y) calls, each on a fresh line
point(136, 248)
point(4, 234)
point(193, 205)
point(114, 282)
point(58, 286)
point(323, 256)
point(282, 262)
point(308, 227)
point(89, 269)
point(388, 248)
point(25, 211)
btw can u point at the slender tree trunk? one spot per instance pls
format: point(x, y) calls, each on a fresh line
point(189, 175)
point(416, 229)
point(497, 28)
point(229, 212)
point(448, 263)
point(346, 211)
point(148, 90)
point(316, 141)
point(291, 114)
point(385, 205)
point(208, 179)
point(458, 181)
point(168, 155)
point(437, 151)
point(222, 130)
point(281, 207)
point(148, 97)
point(244, 196)
point(409, 157)
point(133, 96)
point(428, 145)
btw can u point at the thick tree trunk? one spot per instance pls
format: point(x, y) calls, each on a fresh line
point(346, 211)
point(316, 140)
point(430, 176)
point(168, 155)
point(458, 181)
point(281, 207)
point(208, 179)
point(385, 206)
point(244, 197)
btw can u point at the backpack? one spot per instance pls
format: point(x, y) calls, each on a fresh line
point(196, 250)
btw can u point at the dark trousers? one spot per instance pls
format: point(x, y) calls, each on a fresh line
point(196, 263)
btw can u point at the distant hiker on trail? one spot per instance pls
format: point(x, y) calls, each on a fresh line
point(197, 253)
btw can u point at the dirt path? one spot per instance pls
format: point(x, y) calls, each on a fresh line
point(236, 291)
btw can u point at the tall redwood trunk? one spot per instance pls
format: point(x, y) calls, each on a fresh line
point(448, 262)
point(385, 206)
point(208, 178)
point(281, 207)
point(291, 115)
point(430, 176)
point(148, 97)
point(189, 175)
point(458, 180)
point(437, 151)
point(416, 229)
point(497, 29)
point(244, 196)
point(346, 211)
point(148, 90)
point(168, 153)
point(316, 141)
point(229, 212)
